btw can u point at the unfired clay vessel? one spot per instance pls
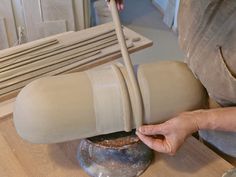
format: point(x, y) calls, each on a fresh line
point(100, 101)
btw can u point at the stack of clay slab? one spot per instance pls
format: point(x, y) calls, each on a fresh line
point(65, 53)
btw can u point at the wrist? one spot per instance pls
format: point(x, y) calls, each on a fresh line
point(194, 120)
point(203, 119)
point(189, 122)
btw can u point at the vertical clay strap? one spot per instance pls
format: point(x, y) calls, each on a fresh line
point(126, 105)
point(138, 105)
point(107, 100)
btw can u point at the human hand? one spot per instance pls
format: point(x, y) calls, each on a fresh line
point(169, 136)
point(119, 4)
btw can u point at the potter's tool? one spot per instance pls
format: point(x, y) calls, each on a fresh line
point(137, 103)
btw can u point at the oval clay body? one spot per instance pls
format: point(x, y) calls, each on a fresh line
point(86, 104)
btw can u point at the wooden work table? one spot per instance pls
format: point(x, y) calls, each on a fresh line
point(19, 158)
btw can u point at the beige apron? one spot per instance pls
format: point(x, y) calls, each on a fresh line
point(207, 30)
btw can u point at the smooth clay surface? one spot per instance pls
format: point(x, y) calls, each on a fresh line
point(169, 88)
point(86, 104)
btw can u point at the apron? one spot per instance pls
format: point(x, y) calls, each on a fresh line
point(207, 34)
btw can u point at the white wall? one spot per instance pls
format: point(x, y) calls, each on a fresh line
point(22, 16)
point(175, 26)
point(161, 3)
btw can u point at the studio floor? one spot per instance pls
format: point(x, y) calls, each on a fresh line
point(143, 17)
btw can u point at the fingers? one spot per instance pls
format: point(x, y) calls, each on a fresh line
point(122, 6)
point(119, 4)
point(152, 129)
point(155, 144)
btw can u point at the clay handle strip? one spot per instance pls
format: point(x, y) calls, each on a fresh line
point(31, 59)
point(126, 105)
point(79, 43)
point(68, 45)
point(28, 50)
point(138, 108)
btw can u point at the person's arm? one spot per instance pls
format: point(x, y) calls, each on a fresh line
point(176, 130)
point(119, 3)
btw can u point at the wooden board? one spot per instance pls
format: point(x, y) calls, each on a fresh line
point(53, 10)
point(6, 12)
point(59, 160)
point(3, 35)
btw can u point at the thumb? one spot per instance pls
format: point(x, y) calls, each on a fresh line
point(151, 129)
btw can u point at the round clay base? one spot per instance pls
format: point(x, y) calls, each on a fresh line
point(115, 155)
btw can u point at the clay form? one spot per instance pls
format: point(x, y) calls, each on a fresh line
point(92, 101)
point(137, 106)
point(167, 89)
